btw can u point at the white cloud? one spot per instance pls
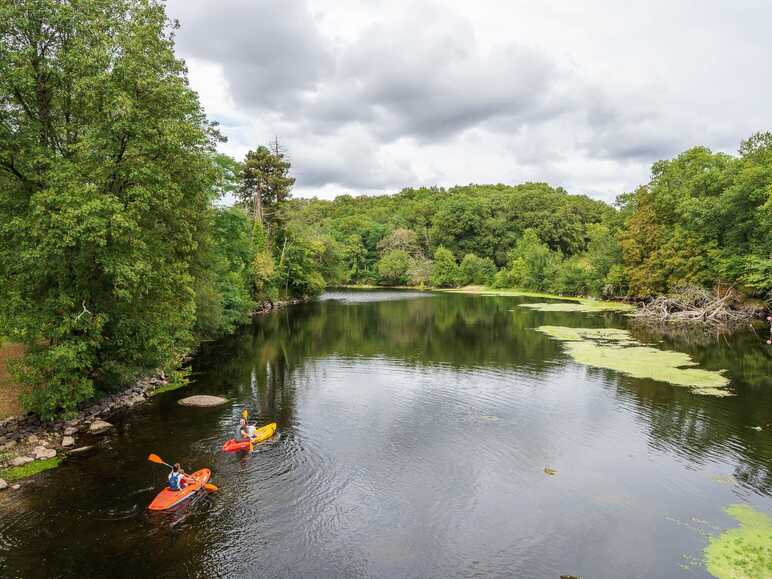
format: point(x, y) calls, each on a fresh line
point(372, 96)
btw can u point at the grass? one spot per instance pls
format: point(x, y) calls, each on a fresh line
point(169, 387)
point(617, 350)
point(509, 292)
point(29, 469)
point(744, 552)
point(568, 303)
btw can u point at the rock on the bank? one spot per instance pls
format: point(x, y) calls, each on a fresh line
point(42, 453)
point(70, 430)
point(68, 441)
point(202, 400)
point(3, 485)
point(99, 426)
point(21, 460)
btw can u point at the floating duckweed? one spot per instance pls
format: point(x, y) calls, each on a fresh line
point(582, 306)
point(744, 552)
point(615, 349)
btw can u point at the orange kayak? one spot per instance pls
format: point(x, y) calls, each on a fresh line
point(261, 434)
point(168, 498)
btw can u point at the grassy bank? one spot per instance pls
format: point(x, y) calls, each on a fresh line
point(29, 469)
point(582, 304)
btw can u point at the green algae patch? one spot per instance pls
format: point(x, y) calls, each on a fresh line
point(515, 293)
point(617, 350)
point(30, 469)
point(744, 552)
point(582, 306)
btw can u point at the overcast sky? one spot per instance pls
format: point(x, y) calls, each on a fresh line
point(371, 96)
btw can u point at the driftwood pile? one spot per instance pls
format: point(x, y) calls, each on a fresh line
point(720, 306)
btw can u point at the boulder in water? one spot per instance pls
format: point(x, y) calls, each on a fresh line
point(203, 400)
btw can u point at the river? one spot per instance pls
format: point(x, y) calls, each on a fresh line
point(414, 433)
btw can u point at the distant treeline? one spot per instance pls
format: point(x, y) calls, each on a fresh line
point(704, 219)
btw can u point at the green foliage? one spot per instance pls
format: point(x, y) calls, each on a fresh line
point(574, 277)
point(303, 260)
point(532, 264)
point(477, 270)
point(393, 267)
point(419, 271)
point(445, 271)
point(265, 183)
point(223, 296)
point(703, 219)
point(757, 275)
point(106, 172)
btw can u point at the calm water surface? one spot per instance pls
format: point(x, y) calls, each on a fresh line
point(414, 430)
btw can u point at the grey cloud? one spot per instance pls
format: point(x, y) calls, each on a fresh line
point(271, 50)
point(419, 77)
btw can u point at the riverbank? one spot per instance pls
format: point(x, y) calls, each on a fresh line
point(29, 445)
point(589, 303)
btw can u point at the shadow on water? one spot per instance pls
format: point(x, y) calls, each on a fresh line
point(414, 431)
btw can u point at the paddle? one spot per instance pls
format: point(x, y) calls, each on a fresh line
point(209, 487)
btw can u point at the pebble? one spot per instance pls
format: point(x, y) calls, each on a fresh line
point(3, 485)
point(16, 487)
point(99, 426)
point(68, 441)
point(21, 460)
point(70, 430)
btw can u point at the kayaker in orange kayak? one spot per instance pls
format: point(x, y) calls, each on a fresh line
point(178, 480)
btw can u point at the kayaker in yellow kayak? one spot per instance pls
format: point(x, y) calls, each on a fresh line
point(242, 432)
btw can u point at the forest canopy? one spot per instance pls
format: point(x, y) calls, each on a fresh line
point(703, 219)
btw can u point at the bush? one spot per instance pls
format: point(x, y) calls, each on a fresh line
point(477, 270)
point(393, 267)
point(445, 272)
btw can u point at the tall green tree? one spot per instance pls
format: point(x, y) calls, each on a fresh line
point(105, 179)
point(265, 184)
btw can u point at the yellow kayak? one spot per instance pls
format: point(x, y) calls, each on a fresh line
point(261, 434)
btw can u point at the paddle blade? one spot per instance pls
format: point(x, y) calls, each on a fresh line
point(210, 488)
point(155, 458)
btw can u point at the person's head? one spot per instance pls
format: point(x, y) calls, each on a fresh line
point(243, 422)
point(176, 467)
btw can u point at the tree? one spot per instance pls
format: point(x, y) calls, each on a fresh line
point(223, 296)
point(393, 267)
point(401, 239)
point(445, 271)
point(265, 183)
point(105, 177)
point(533, 265)
point(477, 270)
